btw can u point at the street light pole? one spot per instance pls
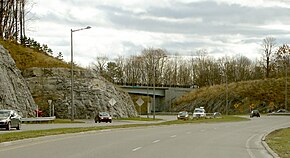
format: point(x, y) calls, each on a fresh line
point(286, 75)
point(72, 74)
point(154, 87)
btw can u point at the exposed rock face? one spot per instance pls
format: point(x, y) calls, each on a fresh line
point(91, 93)
point(14, 93)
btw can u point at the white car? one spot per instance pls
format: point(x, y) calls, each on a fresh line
point(199, 112)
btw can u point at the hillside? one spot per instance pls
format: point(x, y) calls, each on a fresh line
point(265, 95)
point(25, 57)
point(47, 78)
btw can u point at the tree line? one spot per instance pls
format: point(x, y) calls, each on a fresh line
point(12, 19)
point(160, 67)
point(12, 25)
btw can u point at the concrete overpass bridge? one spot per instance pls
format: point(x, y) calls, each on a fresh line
point(164, 96)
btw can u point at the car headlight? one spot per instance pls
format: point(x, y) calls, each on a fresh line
point(3, 121)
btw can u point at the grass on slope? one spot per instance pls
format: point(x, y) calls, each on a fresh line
point(25, 57)
point(260, 94)
point(279, 141)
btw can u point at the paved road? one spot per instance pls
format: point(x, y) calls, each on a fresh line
point(88, 123)
point(225, 140)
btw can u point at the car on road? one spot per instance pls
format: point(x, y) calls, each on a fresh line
point(217, 115)
point(255, 113)
point(183, 115)
point(281, 111)
point(199, 112)
point(103, 117)
point(10, 119)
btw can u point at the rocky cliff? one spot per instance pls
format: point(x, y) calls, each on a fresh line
point(14, 93)
point(91, 93)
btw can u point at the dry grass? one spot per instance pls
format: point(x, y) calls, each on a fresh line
point(279, 141)
point(262, 94)
point(25, 57)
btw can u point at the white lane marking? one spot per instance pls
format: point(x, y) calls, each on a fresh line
point(136, 149)
point(173, 136)
point(188, 132)
point(248, 146)
point(156, 141)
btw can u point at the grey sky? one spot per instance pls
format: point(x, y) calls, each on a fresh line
point(125, 27)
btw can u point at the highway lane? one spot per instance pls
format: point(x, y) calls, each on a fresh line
point(226, 140)
point(87, 123)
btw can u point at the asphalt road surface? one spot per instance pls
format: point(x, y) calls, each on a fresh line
point(87, 123)
point(220, 140)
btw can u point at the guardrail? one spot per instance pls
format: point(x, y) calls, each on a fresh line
point(38, 119)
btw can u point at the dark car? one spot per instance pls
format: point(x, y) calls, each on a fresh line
point(10, 119)
point(103, 117)
point(255, 113)
point(183, 115)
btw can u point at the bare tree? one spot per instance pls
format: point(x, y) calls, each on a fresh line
point(155, 66)
point(100, 65)
point(13, 19)
point(155, 60)
point(282, 59)
point(268, 47)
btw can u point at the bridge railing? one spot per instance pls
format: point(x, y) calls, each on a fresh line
point(156, 85)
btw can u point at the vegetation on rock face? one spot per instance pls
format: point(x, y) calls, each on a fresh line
point(264, 95)
point(49, 79)
point(25, 57)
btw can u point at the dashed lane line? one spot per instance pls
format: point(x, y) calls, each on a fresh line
point(156, 141)
point(138, 148)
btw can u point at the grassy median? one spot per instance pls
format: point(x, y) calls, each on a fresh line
point(12, 136)
point(279, 141)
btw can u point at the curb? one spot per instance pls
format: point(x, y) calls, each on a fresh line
point(266, 146)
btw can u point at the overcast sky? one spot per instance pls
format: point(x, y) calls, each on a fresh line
point(126, 27)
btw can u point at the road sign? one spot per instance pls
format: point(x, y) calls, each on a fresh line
point(112, 101)
point(140, 101)
point(236, 105)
